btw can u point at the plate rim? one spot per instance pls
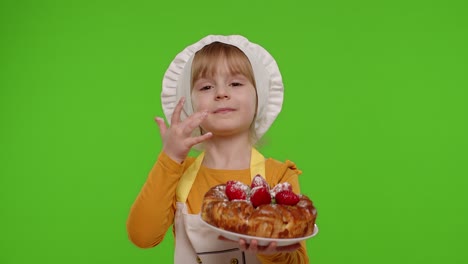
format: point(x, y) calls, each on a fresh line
point(282, 241)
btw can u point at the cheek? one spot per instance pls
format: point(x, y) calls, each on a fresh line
point(200, 103)
point(194, 106)
point(253, 105)
point(253, 102)
point(195, 103)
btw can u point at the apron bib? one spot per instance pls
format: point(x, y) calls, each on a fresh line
point(197, 243)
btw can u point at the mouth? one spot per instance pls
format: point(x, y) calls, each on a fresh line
point(224, 110)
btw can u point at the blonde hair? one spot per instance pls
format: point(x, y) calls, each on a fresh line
point(206, 61)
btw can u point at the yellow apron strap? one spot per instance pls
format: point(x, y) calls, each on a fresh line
point(187, 179)
point(257, 166)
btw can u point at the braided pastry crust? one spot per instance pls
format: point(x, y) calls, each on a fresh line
point(267, 220)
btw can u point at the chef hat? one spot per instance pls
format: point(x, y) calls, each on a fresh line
point(177, 80)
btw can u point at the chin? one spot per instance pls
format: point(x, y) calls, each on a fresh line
point(226, 132)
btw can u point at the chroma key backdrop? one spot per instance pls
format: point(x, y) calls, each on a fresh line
point(375, 115)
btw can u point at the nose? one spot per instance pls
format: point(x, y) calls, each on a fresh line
point(222, 92)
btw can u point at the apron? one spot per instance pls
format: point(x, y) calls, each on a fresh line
point(197, 243)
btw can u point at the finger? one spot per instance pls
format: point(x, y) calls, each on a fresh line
point(242, 244)
point(197, 140)
point(175, 118)
point(253, 247)
point(271, 247)
point(161, 125)
point(194, 121)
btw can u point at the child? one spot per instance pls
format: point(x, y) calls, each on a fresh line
point(220, 95)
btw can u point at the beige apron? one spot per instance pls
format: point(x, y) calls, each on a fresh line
point(197, 243)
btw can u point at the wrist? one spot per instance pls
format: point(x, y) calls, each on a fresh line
point(175, 158)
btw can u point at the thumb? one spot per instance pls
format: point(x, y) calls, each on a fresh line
point(162, 125)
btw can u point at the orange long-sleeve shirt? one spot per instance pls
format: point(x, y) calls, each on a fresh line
point(154, 209)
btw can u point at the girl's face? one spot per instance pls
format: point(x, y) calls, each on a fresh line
point(230, 100)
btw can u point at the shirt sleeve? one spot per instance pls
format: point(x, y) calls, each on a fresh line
point(285, 172)
point(298, 256)
point(152, 213)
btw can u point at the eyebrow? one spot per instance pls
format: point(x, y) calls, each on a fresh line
point(210, 78)
point(239, 75)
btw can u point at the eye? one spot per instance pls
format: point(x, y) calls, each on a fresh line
point(206, 87)
point(236, 84)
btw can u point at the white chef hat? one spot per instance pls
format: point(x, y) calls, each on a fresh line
point(269, 84)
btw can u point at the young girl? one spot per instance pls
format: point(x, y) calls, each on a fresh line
point(220, 95)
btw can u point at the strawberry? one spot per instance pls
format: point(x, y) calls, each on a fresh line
point(287, 198)
point(260, 195)
point(236, 190)
point(284, 186)
point(258, 180)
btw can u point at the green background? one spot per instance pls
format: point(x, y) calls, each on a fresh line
point(375, 115)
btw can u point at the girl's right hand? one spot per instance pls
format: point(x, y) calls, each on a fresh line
point(177, 139)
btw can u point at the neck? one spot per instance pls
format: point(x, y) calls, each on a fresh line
point(232, 153)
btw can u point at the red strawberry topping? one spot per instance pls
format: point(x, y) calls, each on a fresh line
point(259, 181)
point(236, 190)
point(284, 186)
point(287, 198)
point(260, 195)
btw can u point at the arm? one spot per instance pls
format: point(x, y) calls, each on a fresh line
point(153, 210)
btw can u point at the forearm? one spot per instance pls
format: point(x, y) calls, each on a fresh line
point(298, 256)
point(153, 210)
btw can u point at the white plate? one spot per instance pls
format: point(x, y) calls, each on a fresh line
point(262, 241)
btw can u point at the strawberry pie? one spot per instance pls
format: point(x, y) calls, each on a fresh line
point(258, 210)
